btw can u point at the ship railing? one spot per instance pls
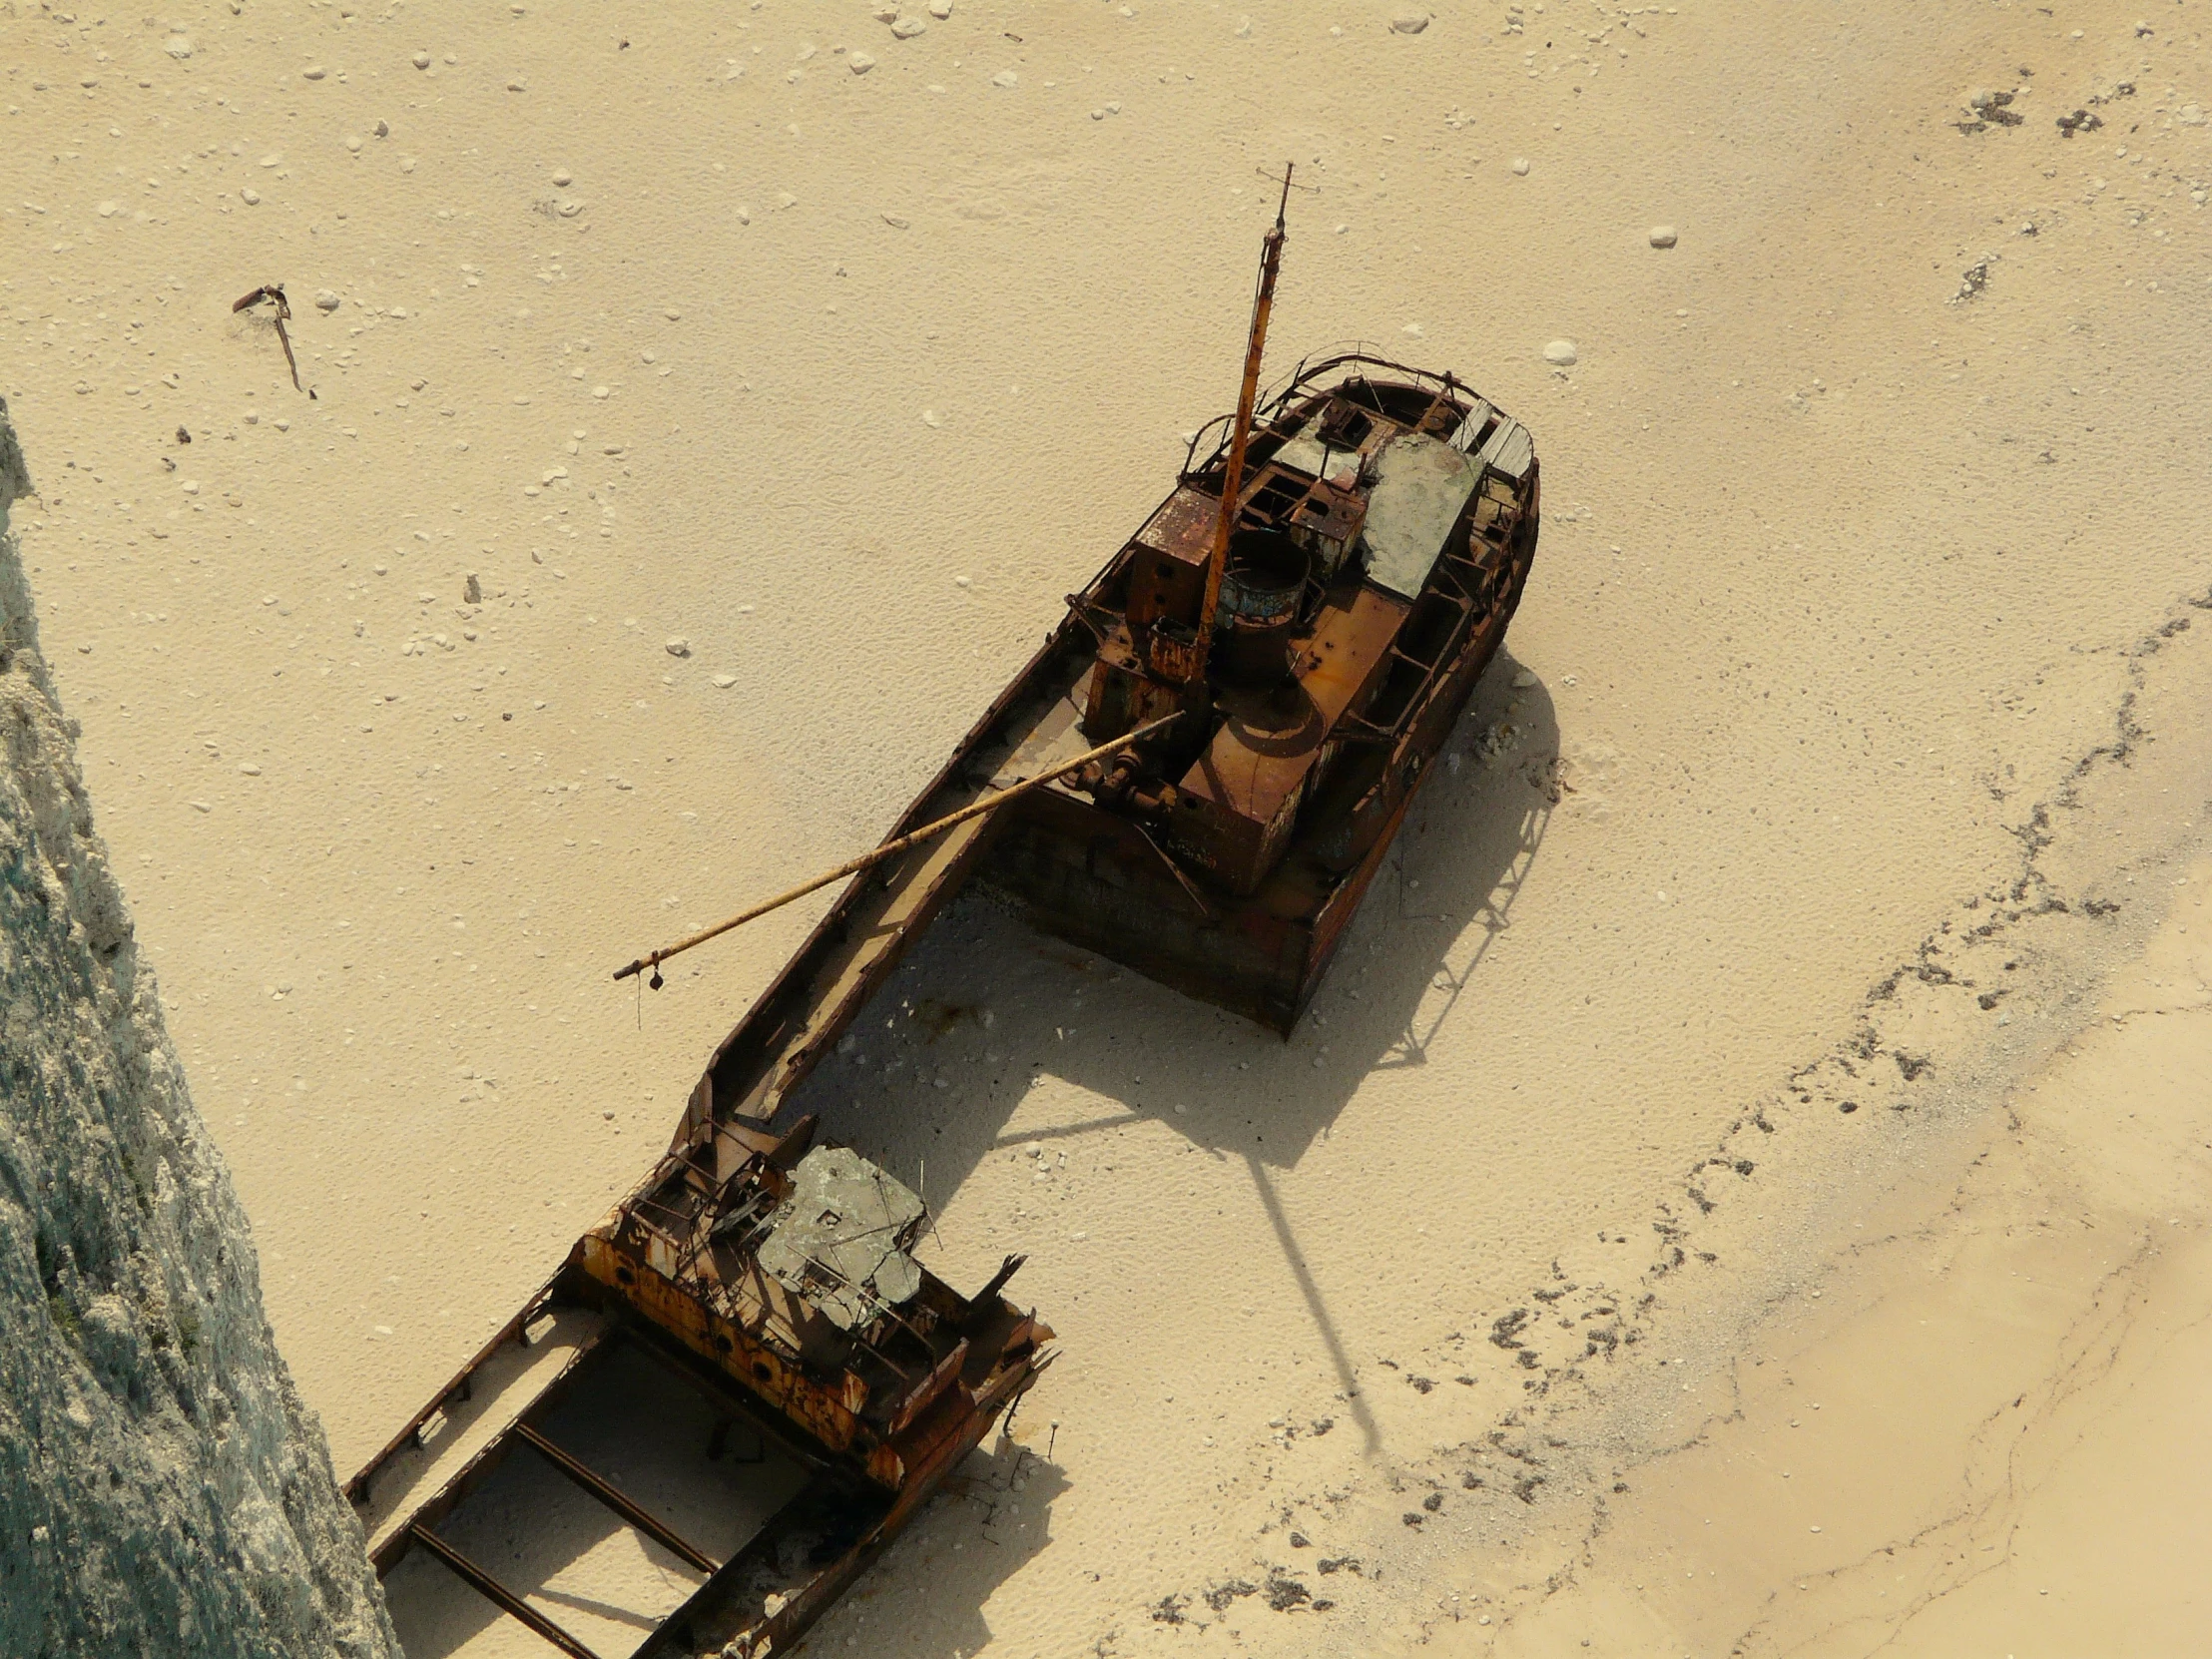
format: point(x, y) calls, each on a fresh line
point(1211, 440)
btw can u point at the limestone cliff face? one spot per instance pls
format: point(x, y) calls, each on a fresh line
point(163, 1490)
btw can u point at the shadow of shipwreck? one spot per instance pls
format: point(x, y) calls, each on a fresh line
point(985, 1008)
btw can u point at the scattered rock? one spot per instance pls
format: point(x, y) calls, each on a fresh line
point(1521, 165)
point(678, 647)
point(1005, 78)
point(1986, 108)
point(940, 9)
point(722, 681)
point(1560, 354)
point(1663, 235)
point(859, 63)
point(422, 60)
point(472, 591)
point(326, 300)
point(896, 221)
point(1410, 23)
point(563, 178)
point(315, 72)
point(383, 129)
point(252, 197)
point(905, 28)
point(1523, 680)
point(177, 47)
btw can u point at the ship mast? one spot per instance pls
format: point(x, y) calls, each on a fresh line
point(1271, 261)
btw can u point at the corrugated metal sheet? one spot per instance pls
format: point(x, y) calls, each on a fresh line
point(1509, 451)
point(1421, 486)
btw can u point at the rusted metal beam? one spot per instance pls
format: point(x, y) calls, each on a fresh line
point(892, 848)
point(621, 1504)
point(499, 1595)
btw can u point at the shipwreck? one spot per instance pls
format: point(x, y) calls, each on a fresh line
point(1198, 775)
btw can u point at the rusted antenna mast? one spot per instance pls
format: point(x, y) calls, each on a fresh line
point(1271, 261)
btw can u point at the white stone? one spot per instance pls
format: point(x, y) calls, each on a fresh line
point(177, 47)
point(1662, 236)
point(678, 646)
point(326, 300)
point(859, 63)
point(1521, 165)
point(422, 60)
point(1005, 78)
point(1410, 23)
point(1560, 353)
point(940, 9)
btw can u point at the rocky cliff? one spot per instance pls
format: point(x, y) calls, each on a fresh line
point(162, 1490)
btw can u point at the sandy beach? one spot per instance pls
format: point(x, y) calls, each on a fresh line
point(1764, 1094)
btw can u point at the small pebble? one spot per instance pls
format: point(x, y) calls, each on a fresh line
point(326, 300)
point(177, 47)
point(1005, 78)
point(252, 197)
point(940, 9)
point(315, 72)
point(905, 28)
point(1521, 165)
point(563, 178)
point(722, 681)
point(383, 129)
point(1560, 353)
point(250, 769)
point(859, 63)
point(1662, 236)
point(422, 60)
point(1410, 23)
point(678, 647)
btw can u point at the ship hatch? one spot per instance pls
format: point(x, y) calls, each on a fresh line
point(1421, 486)
point(840, 1240)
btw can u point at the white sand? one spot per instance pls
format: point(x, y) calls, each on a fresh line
point(843, 379)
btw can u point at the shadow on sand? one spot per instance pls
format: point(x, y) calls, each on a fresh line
point(940, 1064)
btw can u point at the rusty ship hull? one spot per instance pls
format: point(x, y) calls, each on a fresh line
point(1113, 883)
